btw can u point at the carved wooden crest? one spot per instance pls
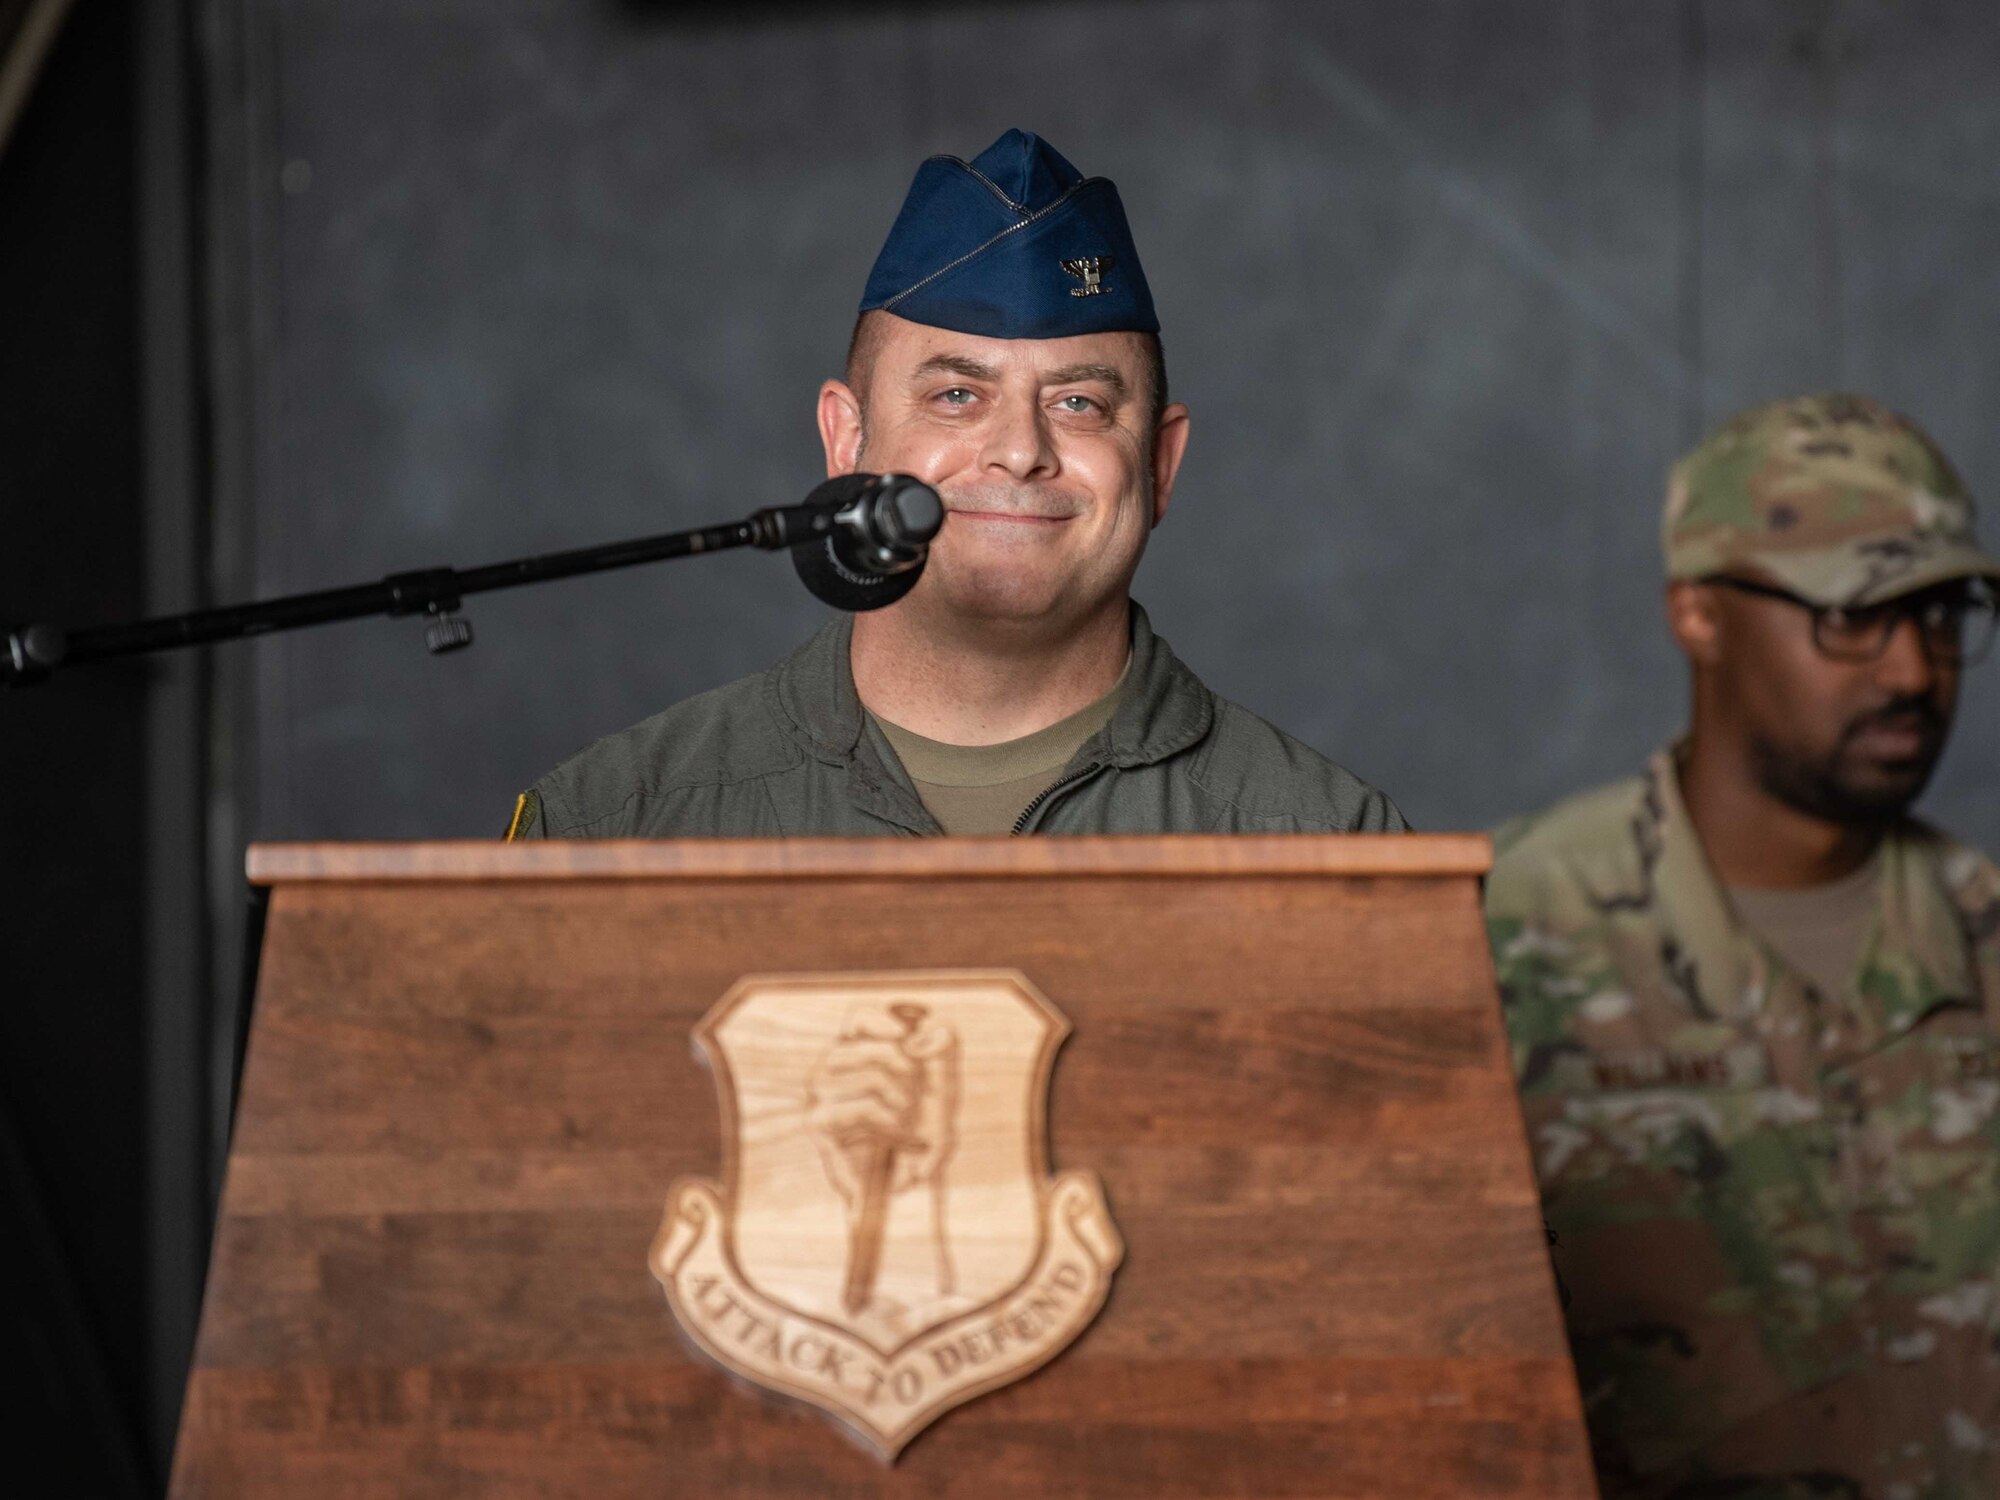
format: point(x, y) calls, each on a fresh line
point(886, 1241)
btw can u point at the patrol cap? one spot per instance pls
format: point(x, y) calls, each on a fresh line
point(1014, 244)
point(1841, 500)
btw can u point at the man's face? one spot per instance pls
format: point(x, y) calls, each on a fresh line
point(1852, 743)
point(1045, 452)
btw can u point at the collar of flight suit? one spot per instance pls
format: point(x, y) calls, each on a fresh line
point(1727, 973)
point(1164, 710)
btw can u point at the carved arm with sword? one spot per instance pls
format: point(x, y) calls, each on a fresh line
point(882, 1105)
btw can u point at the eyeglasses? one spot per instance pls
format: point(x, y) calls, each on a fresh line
point(1955, 622)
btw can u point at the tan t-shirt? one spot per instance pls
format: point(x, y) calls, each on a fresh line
point(986, 788)
point(1819, 930)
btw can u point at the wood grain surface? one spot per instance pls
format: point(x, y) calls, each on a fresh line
point(468, 1092)
point(986, 858)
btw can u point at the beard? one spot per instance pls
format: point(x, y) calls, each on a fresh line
point(1844, 787)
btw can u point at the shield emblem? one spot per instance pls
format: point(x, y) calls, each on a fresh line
point(886, 1241)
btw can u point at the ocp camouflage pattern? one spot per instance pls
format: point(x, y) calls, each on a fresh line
point(1839, 498)
point(1777, 1211)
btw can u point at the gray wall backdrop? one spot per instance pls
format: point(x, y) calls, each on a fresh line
point(1447, 284)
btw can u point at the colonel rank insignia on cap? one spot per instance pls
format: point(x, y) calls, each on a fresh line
point(1014, 244)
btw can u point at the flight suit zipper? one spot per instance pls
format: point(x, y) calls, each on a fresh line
point(1028, 812)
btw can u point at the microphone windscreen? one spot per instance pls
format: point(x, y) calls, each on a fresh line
point(830, 582)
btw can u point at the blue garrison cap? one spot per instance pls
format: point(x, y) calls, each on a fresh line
point(1015, 244)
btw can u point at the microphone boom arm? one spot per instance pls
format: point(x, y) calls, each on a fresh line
point(32, 652)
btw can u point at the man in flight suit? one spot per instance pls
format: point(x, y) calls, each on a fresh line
point(1007, 354)
point(1755, 1006)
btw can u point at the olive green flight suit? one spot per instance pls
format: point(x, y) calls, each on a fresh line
point(790, 752)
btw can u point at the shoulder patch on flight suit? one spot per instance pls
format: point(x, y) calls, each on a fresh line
point(527, 812)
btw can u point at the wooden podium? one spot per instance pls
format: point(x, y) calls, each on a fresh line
point(445, 1246)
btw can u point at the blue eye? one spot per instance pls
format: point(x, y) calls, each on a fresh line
point(958, 395)
point(1077, 404)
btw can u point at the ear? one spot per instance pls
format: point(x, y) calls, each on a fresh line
point(1695, 621)
point(1170, 441)
point(839, 428)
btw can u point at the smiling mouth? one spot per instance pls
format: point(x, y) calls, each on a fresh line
point(1011, 516)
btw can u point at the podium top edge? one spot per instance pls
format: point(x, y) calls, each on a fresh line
point(1168, 856)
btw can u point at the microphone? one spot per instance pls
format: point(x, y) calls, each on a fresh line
point(860, 540)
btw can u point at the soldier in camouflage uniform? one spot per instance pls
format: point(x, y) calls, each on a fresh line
point(1775, 1196)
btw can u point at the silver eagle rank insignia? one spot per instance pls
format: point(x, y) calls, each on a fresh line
point(1088, 269)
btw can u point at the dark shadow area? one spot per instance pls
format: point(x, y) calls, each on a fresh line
point(718, 15)
point(72, 1160)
